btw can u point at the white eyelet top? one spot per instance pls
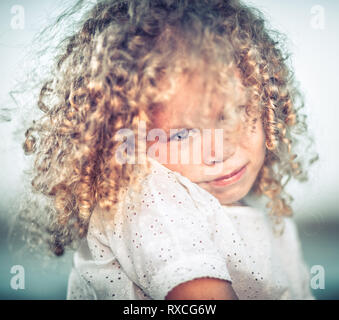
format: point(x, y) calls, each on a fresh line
point(174, 231)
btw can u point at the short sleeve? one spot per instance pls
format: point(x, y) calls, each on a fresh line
point(162, 239)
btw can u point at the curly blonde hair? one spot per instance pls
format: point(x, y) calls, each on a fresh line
point(106, 78)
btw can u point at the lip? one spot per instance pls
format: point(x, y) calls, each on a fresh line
point(231, 178)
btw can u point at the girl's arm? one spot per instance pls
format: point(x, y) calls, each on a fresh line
point(203, 289)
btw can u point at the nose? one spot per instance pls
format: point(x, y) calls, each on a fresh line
point(217, 147)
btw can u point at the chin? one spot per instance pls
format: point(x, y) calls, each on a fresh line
point(229, 199)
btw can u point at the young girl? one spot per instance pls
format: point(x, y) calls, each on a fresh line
point(140, 83)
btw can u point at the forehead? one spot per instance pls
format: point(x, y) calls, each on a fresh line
point(196, 103)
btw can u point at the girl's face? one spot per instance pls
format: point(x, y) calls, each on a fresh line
point(243, 149)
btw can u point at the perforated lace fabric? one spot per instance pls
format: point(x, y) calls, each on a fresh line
point(174, 231)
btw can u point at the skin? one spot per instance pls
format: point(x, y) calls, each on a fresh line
point(244, 145)
point(203, 289)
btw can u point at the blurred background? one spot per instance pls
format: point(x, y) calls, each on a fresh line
point(312, 29)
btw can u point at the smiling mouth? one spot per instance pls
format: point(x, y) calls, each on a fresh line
point(230, 178)
point(231, 174)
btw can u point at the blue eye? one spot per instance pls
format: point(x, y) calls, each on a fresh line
point(183, 134)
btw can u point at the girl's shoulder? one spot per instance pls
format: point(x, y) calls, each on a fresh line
point(162, 196)
point(176, 186)
point(162, 186)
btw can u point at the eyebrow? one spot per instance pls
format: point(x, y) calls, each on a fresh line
point(187, 126)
